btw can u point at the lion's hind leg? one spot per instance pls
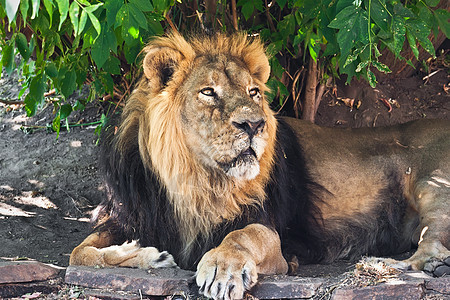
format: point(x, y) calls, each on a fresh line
point(96, 250)
point(433, 204)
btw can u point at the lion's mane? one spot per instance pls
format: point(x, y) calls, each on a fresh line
point(160, 194)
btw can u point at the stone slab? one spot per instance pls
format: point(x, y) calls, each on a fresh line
point(165, 282)
point(155, 282)
point(25, 271)
point(410, 285)
point(283, 287)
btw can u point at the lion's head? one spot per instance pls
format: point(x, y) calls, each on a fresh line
point(203, 125)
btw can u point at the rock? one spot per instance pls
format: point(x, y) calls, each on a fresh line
point(442, 270)
point(286, 287)
point(25, 271)
point(439, 285)
point(155, 282)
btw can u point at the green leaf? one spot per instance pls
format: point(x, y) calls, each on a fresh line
point(421, 31)
point(247, 9)
point(35, 8)
point(11, 7)
point(442, 16)
point(341, 4)
point(51, 70)
point(79, 105)
point(138, 16)
point(63, 7)
point(371, 78)
point(48, 4)
point(402, 11)
point(352, 24)
point(108, 82)
point(56, 125)
point(83, 20)
point(274, 47)
point(102, 46)
point(276, 68)
point(24, 5)
point(65, 111)
point(92, 8)
point(143, 5)
point(95, 22)
point(361, 66)
point(68, 85)
point(432, 3)
point(352, 57)
point(74, 13)
point(398, 32)
point(286, 26)
point(381, 67)
point(412, 43)
point(379, 14)
point(281, 3)
point(35, 97)
point(8, 58)
point(130, 18)
point(155, 27)
point(345, 17)
point(22, 46)
point(131, 52)
point(112, 65)
point(112, 7)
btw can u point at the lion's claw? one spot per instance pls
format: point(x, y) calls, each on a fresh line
point(220, 278)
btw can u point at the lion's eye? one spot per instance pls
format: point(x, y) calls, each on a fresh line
point(208, 92)
point(253, 92)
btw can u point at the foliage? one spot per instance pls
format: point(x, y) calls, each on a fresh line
point(64, 44)
point(67, 43)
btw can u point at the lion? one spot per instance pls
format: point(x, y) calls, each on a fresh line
point(198, 166)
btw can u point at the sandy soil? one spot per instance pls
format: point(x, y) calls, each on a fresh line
point(48, 186)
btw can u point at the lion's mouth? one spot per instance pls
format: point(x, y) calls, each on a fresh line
point(246, 157)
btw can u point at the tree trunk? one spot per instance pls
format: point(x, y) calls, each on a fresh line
point(309, 106)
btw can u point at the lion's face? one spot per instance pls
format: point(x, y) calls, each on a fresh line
point(223, 116)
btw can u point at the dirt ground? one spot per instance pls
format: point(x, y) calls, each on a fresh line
point(48, 186)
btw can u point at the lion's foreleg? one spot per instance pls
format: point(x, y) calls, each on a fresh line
point(97, 250)
point(227, 271)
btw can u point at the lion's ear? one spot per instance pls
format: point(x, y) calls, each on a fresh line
point(159, 65)
point(257, 61)
point(262, 69)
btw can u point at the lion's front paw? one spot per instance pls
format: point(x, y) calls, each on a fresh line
point(150, 257)
point(132, 255)
point(222, 275)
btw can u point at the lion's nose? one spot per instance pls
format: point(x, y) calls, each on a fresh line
point(250, 127)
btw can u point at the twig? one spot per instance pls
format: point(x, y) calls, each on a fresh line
point(172, 26)
point(49, 93)
point(269, 19)
point(296, 96)
point(234, 14)
point(71, 198)
point(11, 102)
point(431, 74)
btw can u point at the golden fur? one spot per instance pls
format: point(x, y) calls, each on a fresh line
point(154, 111)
